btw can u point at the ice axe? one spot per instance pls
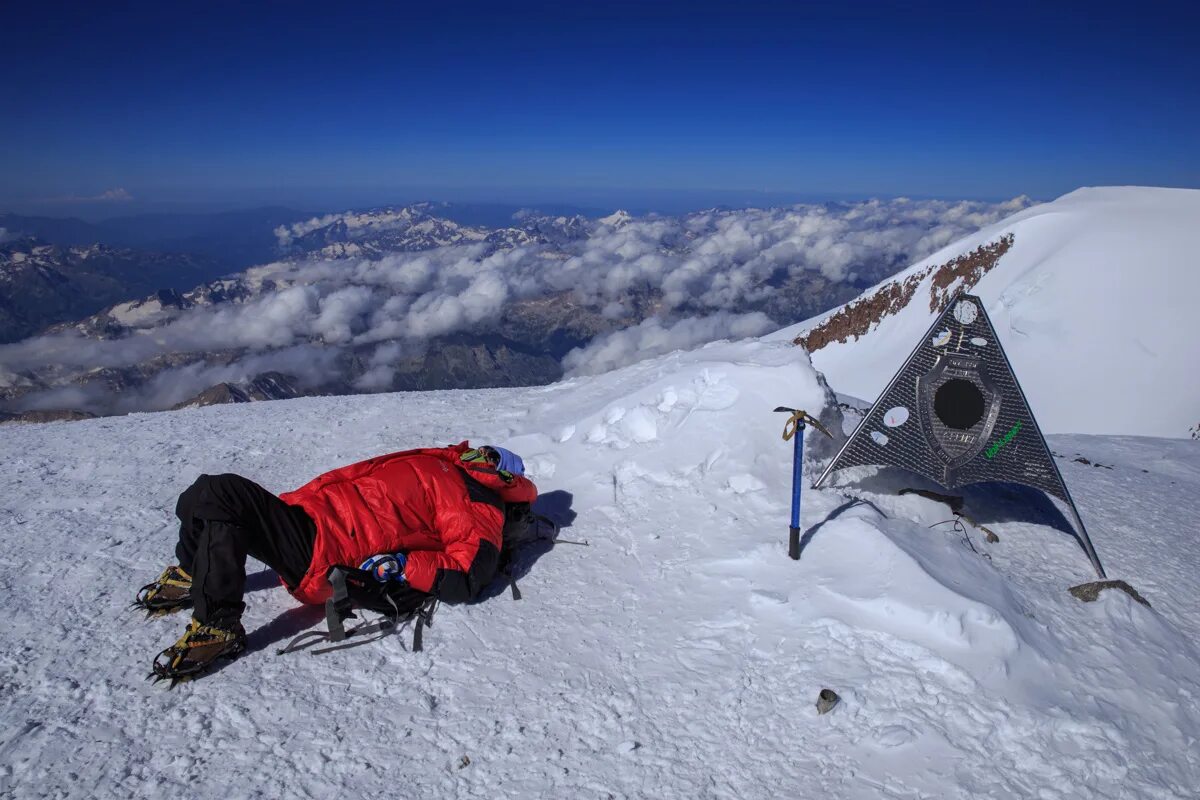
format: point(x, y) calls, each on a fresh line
point(794, 429)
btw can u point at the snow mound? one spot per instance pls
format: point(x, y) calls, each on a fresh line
point(683, 409)
point(1093, 302)
point(678, 654)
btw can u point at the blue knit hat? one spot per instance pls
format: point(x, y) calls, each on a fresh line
point(510, 461)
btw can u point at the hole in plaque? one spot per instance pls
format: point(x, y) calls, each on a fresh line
point(958, 404)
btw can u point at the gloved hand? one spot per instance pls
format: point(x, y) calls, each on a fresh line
point(386, 567)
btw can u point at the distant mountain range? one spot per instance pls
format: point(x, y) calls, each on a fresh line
point(233, 239)
point(406, 298)
point(374, 234)
point(523, 348)
point(55, 270)
point(43, 284)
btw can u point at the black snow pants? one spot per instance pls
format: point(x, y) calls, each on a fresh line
point(223, 519)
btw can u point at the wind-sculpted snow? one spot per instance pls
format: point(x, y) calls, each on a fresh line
point(695, 276)
point(678, 655)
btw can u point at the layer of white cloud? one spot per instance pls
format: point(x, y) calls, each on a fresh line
point(713, 266)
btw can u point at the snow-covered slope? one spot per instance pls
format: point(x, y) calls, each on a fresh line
point(1094, 302)
point(678, 656)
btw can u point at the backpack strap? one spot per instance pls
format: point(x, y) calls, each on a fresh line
point(478, 493)
point(512, 582)
point(340, 607)
point(424, 618)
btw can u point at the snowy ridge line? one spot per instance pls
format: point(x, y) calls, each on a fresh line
point(959, 274)
point(678, 656)
point(1092, 300)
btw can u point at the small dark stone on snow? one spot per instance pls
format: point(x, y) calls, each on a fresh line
point(1087, 592)
point(1082, 460)
point(826, 700)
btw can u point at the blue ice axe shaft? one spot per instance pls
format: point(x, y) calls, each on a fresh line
point(796, 433)
point(797, 463)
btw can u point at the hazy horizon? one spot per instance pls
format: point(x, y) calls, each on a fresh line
point(586, 202)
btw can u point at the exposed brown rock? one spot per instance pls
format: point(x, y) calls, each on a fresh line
point(969, 267)
point(1088, 592)
point(856, 318)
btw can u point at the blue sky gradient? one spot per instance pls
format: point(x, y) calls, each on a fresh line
point(606, 104)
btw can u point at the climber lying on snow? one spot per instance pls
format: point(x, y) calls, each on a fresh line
point(427, 521)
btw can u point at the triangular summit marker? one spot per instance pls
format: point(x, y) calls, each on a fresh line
point(956, 415)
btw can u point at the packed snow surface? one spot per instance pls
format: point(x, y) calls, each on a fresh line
point(678, 655)
point(1095, 305)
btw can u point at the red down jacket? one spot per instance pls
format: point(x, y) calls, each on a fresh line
point(427, 503)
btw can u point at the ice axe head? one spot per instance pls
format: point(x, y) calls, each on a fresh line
point(798, 419)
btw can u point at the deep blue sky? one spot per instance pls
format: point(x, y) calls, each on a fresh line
point(612, 103)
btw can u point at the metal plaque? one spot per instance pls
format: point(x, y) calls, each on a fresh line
point(956, 415)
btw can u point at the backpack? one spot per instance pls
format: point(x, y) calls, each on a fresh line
point(523, 530)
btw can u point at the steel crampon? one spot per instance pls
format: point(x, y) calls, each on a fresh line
point(170, 592)
point(196, 651)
